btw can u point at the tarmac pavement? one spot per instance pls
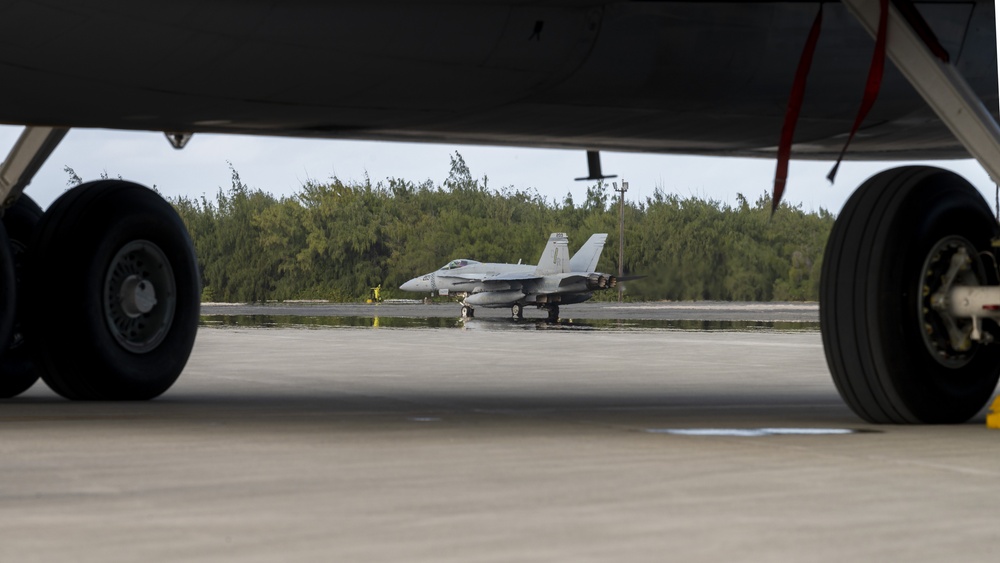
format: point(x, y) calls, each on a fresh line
point(444, 444)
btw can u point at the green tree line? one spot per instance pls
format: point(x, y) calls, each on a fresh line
point(336, 240)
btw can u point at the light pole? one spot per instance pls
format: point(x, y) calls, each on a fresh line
point(621, 233)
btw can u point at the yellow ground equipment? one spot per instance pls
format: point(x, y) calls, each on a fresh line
point(993, 418)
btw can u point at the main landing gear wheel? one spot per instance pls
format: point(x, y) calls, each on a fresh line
point(17, 367)
point(517, 311)
point(8, 293)
point(887, 349)
point(113, 293)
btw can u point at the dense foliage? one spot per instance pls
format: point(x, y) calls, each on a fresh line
point(335, 240)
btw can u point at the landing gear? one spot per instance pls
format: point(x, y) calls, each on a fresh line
point(8, 291)
point(888, 348)
point(17, 368)
point(468, 312)
point(553, 312)
point(112, 293)
point(517, 311)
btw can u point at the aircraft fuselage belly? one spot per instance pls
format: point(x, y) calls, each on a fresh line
point(686, 77)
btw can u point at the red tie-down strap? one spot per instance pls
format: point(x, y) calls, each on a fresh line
point(874, 83)
point(872, 86)
point(792, 112)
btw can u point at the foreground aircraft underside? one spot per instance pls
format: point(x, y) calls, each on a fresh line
point(99, 294)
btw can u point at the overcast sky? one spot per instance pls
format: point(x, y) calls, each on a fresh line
point(281, 165)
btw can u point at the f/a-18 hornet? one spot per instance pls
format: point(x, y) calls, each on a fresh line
point(556, 280)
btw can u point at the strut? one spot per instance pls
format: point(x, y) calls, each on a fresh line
point(30, 151)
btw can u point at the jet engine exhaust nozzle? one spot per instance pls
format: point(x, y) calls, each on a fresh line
point(596, 281)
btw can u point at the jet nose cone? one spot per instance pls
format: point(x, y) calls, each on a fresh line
point(412, 285)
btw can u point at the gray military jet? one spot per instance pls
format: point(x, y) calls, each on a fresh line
point(556, 280)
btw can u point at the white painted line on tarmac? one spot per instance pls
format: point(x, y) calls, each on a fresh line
point(751, 432)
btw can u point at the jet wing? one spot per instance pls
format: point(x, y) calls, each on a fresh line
point(512, 276)
point(491, 282)
point(467, 277)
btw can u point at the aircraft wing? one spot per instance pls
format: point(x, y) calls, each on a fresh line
point(513, 276)
point(488, 278)
point(467, 277)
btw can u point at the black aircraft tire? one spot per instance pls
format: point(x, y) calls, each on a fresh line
point(100, 242)
point(17, 367)
point(871, 295)
point(8, 292)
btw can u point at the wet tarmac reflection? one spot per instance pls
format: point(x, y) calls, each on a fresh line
point(501, 324)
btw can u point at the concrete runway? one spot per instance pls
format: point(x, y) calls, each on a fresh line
point(359, 444)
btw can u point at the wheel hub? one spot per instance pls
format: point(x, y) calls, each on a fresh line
point(952, 261)
point(139, 296)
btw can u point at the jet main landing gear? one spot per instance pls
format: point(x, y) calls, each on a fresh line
point(552, 311)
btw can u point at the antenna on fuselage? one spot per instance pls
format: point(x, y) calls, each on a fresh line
point(594, 167)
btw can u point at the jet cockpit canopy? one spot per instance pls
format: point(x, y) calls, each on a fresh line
point(460, 263)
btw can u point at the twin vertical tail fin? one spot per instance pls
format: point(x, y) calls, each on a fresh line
point(585, 259)
point(555, 257)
